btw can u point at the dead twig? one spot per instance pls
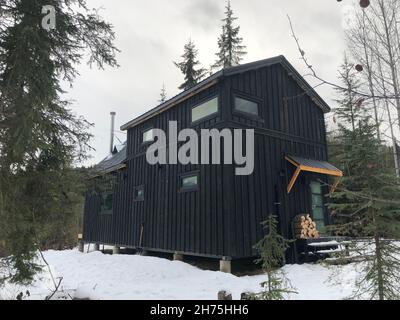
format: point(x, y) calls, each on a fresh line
point(55, 290)
point(315, 75)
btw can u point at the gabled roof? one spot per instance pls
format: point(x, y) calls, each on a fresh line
point(111, 163)
point(213, 79)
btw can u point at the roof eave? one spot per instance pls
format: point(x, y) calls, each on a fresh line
point(210, 81)
point(306, 86)
point(102, 172)
point(227, 72)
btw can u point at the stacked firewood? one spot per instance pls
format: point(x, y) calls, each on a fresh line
point(305, 227)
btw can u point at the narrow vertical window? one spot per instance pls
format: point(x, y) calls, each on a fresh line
point(138, 193)
point(106, 205)
point(317, 205)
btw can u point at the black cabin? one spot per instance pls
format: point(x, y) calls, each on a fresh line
point(207, 210)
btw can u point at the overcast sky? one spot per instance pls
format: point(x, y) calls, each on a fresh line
point(151, 34)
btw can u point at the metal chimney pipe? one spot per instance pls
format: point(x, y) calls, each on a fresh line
point(112, 131)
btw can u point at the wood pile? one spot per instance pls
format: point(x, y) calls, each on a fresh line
point(305, 227)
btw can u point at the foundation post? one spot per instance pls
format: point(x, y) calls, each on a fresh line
point(81, 244)
point(225, 265)
point(116, 250)
point(178, 256)
point(96, 247)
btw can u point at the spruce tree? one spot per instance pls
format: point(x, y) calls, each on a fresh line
point(188, 66)
point(366, 203)
point(40, 138)
point(163, 94)
point(272, 249)
point(231, 50)
point(349, 102)
point(366, 206)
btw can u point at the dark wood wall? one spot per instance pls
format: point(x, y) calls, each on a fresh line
point(172, 220)
point(222, 218)
point(98, 227)
point(289, 123)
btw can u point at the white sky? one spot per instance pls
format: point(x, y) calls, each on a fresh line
point(151, 34)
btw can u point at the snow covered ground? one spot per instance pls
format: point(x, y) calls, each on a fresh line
point(100, 276)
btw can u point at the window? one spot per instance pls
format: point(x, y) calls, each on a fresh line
point(246, 106)
point(205, 109)
point(189, 182)
point(148, 136)
point(106, 203)
point(317, 203)
point(138, 193)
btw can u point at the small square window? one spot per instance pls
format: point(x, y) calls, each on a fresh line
point(138, 194)
point(189, 182)
point(246, 106)
point(148, 136)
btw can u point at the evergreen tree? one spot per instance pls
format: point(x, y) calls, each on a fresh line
point(349, 102)
point(163, 94)
point(230, 45)
point(188, 66)
point(366, 203)
point(272, 249)
point(40, 138)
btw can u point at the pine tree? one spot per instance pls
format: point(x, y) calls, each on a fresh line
point(163, 94)
point(272, 249)
point(188, 66)
point(350, 102)
point(40, 138)
point(366, 204)
point(230, 45)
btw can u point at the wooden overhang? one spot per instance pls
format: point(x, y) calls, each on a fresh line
point(315, 166)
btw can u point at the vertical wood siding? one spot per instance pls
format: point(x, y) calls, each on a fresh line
point(222, 218)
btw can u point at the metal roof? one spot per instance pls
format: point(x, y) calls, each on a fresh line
point(228, 72)
point(313, 163)
point(111, 163)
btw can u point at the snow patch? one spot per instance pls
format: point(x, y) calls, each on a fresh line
point(100, 276)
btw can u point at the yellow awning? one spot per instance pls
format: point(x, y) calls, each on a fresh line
point(315, 166)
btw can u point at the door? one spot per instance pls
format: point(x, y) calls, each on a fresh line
point(317, 205)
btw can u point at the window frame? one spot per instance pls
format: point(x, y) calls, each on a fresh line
point(143, 131)
point(135, 189)
point(310, 181)
point(182, 176)
point(103, 196)
point(251, 98)
point(208, 117)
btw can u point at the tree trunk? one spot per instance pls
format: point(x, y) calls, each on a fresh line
point(379, 266)
point(370, 82)
point(395, 156)
point(391, 58)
